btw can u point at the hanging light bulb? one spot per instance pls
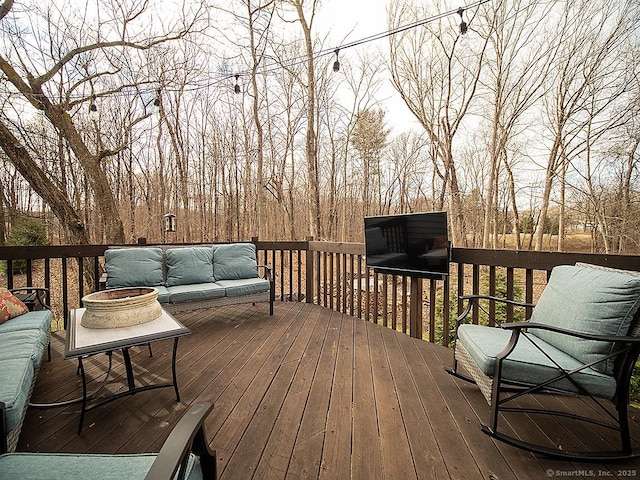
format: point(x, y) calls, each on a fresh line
point(156, 102)
point(237, 86)
point(93, 108)
point(463, 25)
point(336, 64)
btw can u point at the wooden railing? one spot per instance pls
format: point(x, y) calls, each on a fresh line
point(334, 275)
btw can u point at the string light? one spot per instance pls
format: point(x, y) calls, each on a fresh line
point(156, 102)
point(463, 25)
point(336, 65)
point(92, 106)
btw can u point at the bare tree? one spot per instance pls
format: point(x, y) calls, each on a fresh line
point(517, 64)
point(587, 36)
point(305, 15)
point(438, 82)
point(60, 79)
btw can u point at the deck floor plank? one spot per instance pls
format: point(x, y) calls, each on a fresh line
point(305, 393)
point(336, 455)
point(366, 448)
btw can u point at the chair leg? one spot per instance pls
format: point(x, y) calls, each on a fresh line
point(623, 421)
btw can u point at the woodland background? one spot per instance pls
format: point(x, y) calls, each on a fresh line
point(235, 119)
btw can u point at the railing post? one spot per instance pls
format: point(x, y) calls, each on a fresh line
point(310, 275)
point(415, 308)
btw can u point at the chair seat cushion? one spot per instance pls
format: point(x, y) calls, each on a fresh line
point(195, 292)
point(44, 466)
point(38, 320)
point(163, 294)
point(527, 364)
point(16, 376)
point(247, 286)
point(590, 301)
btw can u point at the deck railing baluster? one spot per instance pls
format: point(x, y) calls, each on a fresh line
point(334, 275)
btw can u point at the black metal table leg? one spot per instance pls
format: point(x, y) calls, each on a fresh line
point(84, 394)
point(129, 369)
point(173, 367)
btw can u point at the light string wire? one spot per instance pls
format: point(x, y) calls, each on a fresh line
point(371, 38)
point(292, 62)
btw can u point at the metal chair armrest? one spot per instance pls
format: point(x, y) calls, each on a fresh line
point(474, 299)
point(572, 333)
point(187, 436)
point(497, 299)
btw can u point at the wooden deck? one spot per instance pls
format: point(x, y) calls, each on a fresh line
point(307, 393)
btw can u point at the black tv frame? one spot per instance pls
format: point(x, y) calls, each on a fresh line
point(396, 240)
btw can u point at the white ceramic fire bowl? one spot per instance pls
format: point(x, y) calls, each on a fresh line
point(120, 307)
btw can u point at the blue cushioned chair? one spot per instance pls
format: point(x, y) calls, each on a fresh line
point(184, 455)
point(581, 339)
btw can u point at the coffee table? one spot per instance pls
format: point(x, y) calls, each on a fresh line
point(85, 342)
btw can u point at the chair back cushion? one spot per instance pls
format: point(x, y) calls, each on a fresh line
point(134, 267)
point(591, 301)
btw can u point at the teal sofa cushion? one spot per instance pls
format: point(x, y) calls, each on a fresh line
point(134, 267)
point(38, 320)
point(16, 376)
point(66, 466)
point(590, 301)
point(23, 344)
point(246, 286)
point(195, 292)
point(527, 364)
point(234, 261)
point(163, 294)
point(189, 265)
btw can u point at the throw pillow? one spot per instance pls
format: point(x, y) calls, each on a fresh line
point(10, 306)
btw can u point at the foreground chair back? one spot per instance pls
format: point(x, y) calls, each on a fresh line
point(582, 339)
point(184, 455)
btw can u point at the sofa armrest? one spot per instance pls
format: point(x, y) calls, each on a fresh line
point(187, 436)
point(102, 283)
point(268, 272)
point(31, 296)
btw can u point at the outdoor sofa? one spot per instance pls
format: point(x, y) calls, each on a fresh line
point(24, 336)
point(192, 277)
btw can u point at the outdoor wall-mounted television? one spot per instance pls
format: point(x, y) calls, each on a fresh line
point(413, 244)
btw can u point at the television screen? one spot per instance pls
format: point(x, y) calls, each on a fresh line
point(414, 244)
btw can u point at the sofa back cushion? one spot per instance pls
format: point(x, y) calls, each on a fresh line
point(189, 265)
point(235, 261)
point(590, 301)
point(134, 267)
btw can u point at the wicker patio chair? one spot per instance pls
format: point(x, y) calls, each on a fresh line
point(581, 339)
